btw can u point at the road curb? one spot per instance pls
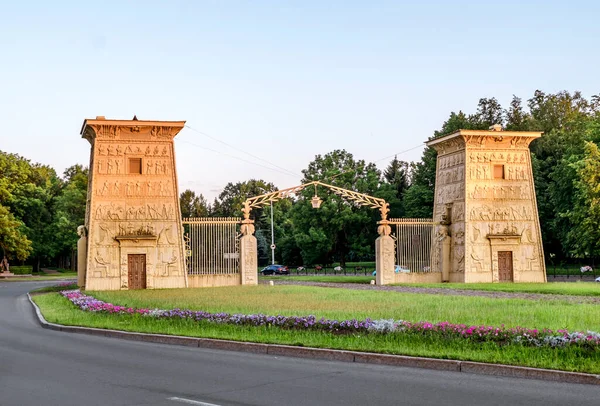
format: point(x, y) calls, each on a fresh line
point(332, 355)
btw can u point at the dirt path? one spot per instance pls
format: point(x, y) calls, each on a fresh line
point(449, 292)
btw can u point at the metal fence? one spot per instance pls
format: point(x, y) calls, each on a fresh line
point(332, 270)
point(414, 238)
point(212, 245)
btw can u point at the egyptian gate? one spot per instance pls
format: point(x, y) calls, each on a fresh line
point(133, 219)
point(485, 207)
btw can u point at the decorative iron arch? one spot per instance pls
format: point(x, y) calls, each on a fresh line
point(360, 198)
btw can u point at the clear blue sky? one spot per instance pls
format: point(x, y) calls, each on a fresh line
point(282, 80)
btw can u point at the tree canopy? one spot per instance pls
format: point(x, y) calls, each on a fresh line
point(40, 211)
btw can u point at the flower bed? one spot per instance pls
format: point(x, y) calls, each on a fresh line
point(500, 335)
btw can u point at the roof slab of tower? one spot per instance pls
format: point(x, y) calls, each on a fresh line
point(498, 133)
point(93, 123)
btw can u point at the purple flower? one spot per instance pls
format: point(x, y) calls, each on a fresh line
point(515, 335)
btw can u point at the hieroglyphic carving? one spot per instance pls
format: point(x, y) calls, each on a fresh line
point(499, 212)
point(449, 193)
point(108, 131)
point(495, 228)
point(104, 233)
point(458, 212)
point(103, 264)
point(148, 211)
point(161, 132)
point(104, 189)
point(169, 267)
point(516, 172)
point(165, 236)
point(477, 257)
point(448, 161)
point(485, 191)
point(459, 258)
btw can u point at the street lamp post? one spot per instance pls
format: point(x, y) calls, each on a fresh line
point(272, 237)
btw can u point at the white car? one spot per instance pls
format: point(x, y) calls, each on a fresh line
point(598, 279)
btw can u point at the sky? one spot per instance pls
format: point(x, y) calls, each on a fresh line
point(265, 86)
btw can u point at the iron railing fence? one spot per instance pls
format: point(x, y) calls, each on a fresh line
point(212, 245)
point(414, 240)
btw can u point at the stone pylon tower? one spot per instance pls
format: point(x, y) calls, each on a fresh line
point(485, 201)
point(133, 219)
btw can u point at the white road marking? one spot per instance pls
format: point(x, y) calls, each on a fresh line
point(190, 401)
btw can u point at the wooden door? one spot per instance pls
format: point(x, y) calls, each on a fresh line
point(136, 268)
point(505, 266)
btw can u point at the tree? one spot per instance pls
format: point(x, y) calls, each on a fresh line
point(14, 243)
point(489, 112)
point(516, 118)
point(585, 215)
point(27, 191)
point(231, 200)
point(339, 227)
point(418, 200)
point(397, 176)
point(69, 212)
point(192, 205)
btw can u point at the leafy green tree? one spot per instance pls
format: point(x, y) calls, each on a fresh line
point(489, 112)
point(14, 243)
point(396, 175)
point(585, 215)
point(516, 118)
point(27, 191)
point(69, 212)
point(13, 240)
point(192, 205)
point(565, 118)
point(339, 227)
point(418, 200)
point(231, 200)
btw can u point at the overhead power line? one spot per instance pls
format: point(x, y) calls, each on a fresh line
point(241, 150)
point(238, 158)
point(379, 160)
point(274, 167)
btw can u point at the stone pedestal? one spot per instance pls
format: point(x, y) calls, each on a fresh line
point(445, 244)
point(81, 256)
point(384, 260)
point(249, 260)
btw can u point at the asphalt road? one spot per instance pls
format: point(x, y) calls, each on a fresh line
point(45, 367)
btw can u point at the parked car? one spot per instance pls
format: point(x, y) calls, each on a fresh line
point(275, 270)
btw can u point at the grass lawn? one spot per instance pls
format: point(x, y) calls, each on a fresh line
point(61, 270)
point(55, 288)
point(341, 303)
point(554, 288)
point(41, 277)
point(347, 304)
